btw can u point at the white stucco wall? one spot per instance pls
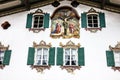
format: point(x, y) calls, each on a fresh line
point(95, 44)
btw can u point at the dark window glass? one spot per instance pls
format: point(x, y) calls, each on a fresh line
point(38, 21)
point(95, 25)
point(89, 21)
point(89, 17)
point(90, 25)
point(92, 20)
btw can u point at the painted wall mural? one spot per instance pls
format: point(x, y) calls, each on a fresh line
point(65, 23)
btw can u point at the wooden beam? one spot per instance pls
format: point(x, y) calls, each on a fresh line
point(102, 4)
point(27, 4)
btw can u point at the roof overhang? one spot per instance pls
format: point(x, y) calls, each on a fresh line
point(8, 7)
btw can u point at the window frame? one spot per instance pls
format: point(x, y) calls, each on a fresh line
point(33, 19)
point(42, 55)
point(92, 14)
point(70, 54)
point(101, 23)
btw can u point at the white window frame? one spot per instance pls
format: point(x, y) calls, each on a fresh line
point(117, 59)
point(33, 19)
point(42, 54)
point(1, 56)
point(93, 19)
point(76, 57)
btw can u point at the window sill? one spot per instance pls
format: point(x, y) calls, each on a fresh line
point(36, 30)
point(2, 66)
point(93, 30)
point(70, 69)
point(116, 68)
point(40, 68)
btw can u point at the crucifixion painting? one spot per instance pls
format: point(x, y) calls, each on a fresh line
point(65, 23)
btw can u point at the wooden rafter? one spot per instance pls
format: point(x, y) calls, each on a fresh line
point(27, 4)
point(102, 4)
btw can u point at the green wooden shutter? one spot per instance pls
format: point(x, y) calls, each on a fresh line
point(110, 58)
point(102, 20)
point(31, 52)
point(6, 59)
point(29, 21)
point(59, 56)
point(46, 20)
point(81, 56)
point(52, 56)
point(83, 20)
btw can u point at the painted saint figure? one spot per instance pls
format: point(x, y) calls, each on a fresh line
point(71, 28)
point(57, 28)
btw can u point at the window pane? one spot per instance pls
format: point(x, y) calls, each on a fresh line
point(35, 26)
point(45, 57)
point(41, 17)
point(38, 62)
point(67, 57)
point(67, 51)
point(41, 22)
point(117, 59)
point(39, 51)
point(94, 16)
point(73, 63)
point(95, 25)
point(45, 51)
point(89, 17)
point(35, 21)
point(73, 51)
point(95, 21)
point(1, 55)
point(89, 21)
point(73, 57)
point(40, 25)
point(38, 57)
point(44, 62)
point(90, 25)
point(67, 62)
point(36, 17)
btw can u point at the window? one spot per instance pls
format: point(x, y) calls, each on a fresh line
point(37, 21)
point(113, 57)
point(41, 56)
point(1, 57)
point(93, 20)
point(70, 57)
